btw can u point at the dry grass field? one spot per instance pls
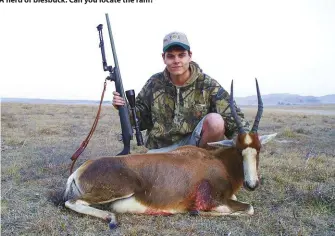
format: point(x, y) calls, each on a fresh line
point(296, 196)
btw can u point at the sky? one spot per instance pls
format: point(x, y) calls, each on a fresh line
point(51, 50)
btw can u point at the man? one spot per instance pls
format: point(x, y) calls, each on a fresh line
point(174, 105)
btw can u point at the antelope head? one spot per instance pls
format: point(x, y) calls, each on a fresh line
point(247, 144)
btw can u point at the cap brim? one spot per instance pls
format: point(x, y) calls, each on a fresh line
point(186, 47)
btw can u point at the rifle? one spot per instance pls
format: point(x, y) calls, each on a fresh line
point(115, 76)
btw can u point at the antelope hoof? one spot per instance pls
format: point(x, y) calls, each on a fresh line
point(112, 225)
point(194, 213)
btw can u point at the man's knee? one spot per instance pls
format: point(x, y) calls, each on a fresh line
point(214, 123)
point(212, 129)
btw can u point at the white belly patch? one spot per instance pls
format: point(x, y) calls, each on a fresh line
point(128, 205)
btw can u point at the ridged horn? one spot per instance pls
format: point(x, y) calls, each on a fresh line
point(233, 110)
point(259, 110)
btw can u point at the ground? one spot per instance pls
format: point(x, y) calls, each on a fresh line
point(296, 196)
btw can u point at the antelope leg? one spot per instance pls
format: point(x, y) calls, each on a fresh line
point(240, 208)
point(84, 208)
point(232, 207)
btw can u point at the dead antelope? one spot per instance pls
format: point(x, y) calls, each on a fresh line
point(188, 179)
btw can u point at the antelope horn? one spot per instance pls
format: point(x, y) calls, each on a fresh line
point(233, 111)
point(259, 110)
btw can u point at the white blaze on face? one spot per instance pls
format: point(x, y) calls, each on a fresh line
point(247, 139)
point(250, 166)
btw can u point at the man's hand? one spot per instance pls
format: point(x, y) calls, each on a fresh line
point(118, 100)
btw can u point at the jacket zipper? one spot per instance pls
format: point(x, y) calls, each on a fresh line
point(177, 104)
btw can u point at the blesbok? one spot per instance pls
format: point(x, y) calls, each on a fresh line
point(188, 179)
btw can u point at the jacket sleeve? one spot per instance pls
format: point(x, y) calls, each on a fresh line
point(222, 106)
point(143, 107)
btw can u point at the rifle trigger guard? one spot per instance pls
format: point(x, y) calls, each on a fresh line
point(119, 137)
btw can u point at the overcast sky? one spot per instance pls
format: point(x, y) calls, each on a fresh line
point(51, 50)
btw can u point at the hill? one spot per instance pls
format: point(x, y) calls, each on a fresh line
point(286, 99)
point(268, 100)
point(50, 101)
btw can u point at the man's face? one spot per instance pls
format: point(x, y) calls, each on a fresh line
point(177, 60)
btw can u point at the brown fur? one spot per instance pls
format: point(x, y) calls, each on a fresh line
point(188, 179)
point(165, 180)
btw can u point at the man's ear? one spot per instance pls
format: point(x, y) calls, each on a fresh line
point(190, 54)
point(163, 57)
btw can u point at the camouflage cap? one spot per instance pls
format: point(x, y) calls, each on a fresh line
point(175, 38)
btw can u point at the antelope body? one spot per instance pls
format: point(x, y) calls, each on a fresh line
point(188, 179)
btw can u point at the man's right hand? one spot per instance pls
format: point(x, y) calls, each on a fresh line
point(117, 100)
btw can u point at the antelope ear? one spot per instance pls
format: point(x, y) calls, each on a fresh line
point(222, 143)
point(266, 138)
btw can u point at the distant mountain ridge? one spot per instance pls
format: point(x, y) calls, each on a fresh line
point(268, 100)
point(52, 101)
point(286, 99)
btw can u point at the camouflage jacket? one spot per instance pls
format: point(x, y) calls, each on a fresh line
point(169, 112)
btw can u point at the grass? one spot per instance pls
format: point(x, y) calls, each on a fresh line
point(296, 196)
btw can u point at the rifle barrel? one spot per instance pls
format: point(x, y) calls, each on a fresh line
point(127, 130)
